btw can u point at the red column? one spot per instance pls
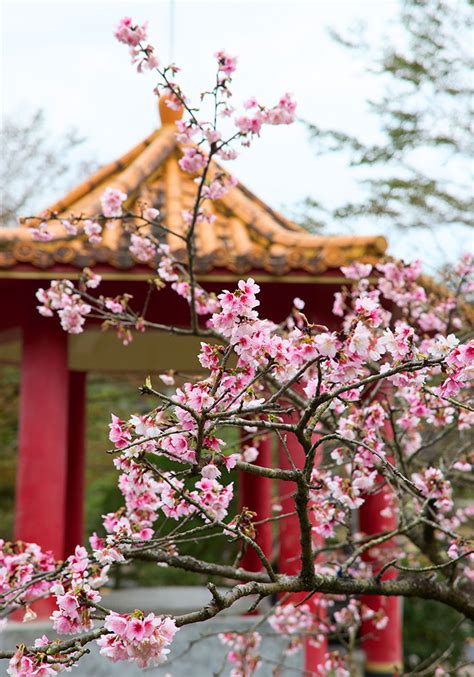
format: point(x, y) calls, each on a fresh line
point(76, 461)
point(383, 648)
point(289, 544)
point(255, 493)
point(42, 462)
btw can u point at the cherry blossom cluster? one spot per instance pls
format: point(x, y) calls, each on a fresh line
point(130, 34)
point(141, 494)
point(145, 496)
point(74, 607)
point(41, 664)
point(297, 624)
point(244, 652)
point(354, 613)
point(71, 308)
point(25, 574)
point(210, 499)
point(184, 431)
point(433, 485)
point(142, 247)
point(281, 114)
point(334, 664)
point(112, 200)
point(72, 583)
point(205, 303)
point(135, 637)
point(193, 134)
point(75, 591)
point(326, 360)
point(301, 623)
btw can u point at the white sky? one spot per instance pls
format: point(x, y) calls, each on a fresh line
point(61, 56)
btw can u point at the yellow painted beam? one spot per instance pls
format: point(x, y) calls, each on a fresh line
point(150, 352)
point(97, 351)
point(140, 277)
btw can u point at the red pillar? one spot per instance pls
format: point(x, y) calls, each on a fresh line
point(383, 648)
point(76, 461)
point(289, 544)
point(255, 493)
point(42, 462)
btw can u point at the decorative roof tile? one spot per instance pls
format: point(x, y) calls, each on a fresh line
point(246, 234)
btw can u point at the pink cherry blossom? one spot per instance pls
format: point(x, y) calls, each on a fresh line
point(111, 201)
point(93, 231)
point(327, 344)
point(71, 228)
point(357, 271)
point(114, 305)
point(41, 233)
point(118, 434)
point(92, 280)
point(210, 471)
point(244, 652)
point(142, 248)
point(130, 34)
point(227, 64)
point(192, 161)
point(138, 638)
point(167, 379)
point(151, 213)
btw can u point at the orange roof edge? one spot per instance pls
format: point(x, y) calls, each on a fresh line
point(246, 234)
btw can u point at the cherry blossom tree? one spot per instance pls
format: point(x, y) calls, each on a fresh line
point(382, 404)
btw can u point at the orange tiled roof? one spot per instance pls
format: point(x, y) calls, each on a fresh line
point(246, 234)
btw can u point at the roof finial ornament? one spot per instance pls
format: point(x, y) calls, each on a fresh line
point(169, 115)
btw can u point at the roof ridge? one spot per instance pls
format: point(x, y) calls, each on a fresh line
point(243, 233)
point(285, 222)
point(100, 175)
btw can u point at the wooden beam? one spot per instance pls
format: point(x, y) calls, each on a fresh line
point(149, 353)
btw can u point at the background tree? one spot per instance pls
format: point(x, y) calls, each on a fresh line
point(416, 175)
point(34, 161)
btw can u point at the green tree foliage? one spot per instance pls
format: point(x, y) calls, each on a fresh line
point(417, 172)
point(430, 633)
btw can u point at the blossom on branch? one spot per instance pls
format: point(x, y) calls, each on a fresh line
point(137, 638)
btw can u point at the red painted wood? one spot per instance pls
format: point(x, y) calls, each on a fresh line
point(74, 534)
point(255, 493)
point(383, 648)
point(42, 462)
point(18, 297)
point(289, 545)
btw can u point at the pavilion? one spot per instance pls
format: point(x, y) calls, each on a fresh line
point(246, 238)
